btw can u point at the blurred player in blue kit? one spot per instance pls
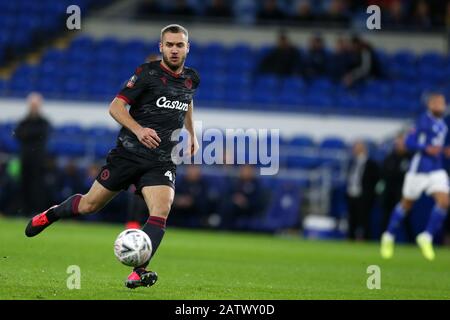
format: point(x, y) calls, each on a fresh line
point(427, 140)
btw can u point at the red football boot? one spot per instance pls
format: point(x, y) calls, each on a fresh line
point(38, 223)
point(141, 278)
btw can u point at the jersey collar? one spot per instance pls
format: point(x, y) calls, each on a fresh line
point(173, 74)
point(435, 118)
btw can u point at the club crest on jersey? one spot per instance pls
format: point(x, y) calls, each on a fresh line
point(163, 102)
point(132, 81)
point(105, 174)
point(188, 83)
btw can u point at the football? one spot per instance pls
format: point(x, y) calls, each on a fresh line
point(133, 247)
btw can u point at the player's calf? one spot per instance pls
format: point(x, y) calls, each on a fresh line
point(442, 200)
point(155, 228)
point(68, 208)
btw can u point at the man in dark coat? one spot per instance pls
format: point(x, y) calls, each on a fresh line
point(362, 178)
point(32, 133)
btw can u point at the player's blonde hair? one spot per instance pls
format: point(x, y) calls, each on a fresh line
point(175, 28)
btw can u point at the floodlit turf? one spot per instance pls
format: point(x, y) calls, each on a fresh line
point(211, 265)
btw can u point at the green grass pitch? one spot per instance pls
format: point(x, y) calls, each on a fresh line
point(211, 265)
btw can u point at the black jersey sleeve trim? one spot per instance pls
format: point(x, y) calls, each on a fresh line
point(126, 99)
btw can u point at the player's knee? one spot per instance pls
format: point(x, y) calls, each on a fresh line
point(407, 205)
point(443, 202)
point(161, 209)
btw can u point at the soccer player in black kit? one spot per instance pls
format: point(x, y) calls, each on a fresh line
point(160, 97)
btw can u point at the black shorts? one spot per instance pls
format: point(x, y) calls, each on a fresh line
point(124, 168)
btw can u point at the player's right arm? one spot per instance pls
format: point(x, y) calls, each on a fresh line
point(117, 109)
point(416, 140)
point(147, 136)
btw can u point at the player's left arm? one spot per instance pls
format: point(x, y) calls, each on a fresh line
point(447, 145)
point(189, 125)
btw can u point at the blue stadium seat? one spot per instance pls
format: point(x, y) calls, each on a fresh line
point(102, 148)
point(71, 73)
point(333, 143)
point(400, 71)
point(262, 96)
point(238, 95)
point(319, 99)
point(3, 86)
point(404, 57)
point(303, 162)
point(214, 49)
point(268, 81)
point(432, 59)
point(301, 142)
point(289, 98)
point(369, 101)
point(69, 131)
point(432, 74)
point(107, 44)
point(295, 84)
point(101, 132)
point(377, 87)
point(66, 147)
point(54, 55)
point(405, 88)
point(240, 51)
point(322, 84)
point(241, 66)
point(283, 211)
point(82, 43)
point(8, 143)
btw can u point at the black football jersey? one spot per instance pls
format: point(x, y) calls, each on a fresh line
point(158, 99)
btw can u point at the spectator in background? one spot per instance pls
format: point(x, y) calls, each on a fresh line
point(421, 16)
point(303, 13)
point(218, 9)
point(447, 16)
point(340, 59)
point(137, 210)
point(364, 64)
point(52, 182)
point(8, 190)
point(245, 198)
point(362, 178)
point(283, 60)
point(91, 173)
point(147, 8)
point(4, 188)
point(14, 200)
point(270, 12)
point(32, 133)
point(393, 171)
point(182, 9)
point(315, 63)
point(71, 181)
point(395, 16)
point(336, 13)
point(190, 205)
